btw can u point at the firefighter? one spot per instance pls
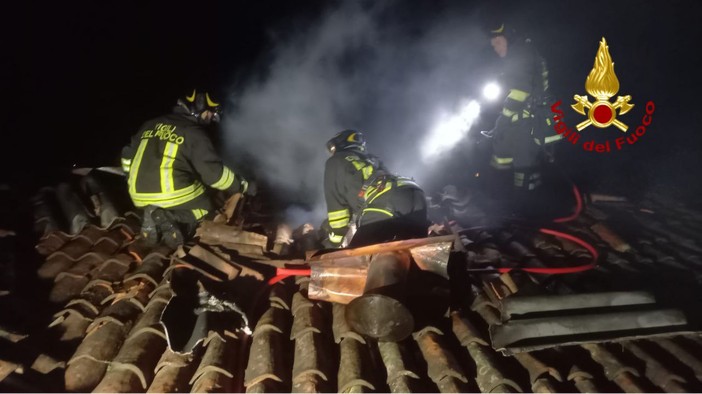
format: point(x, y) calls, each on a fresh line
point(522, 137)
point(171, 163)
point(360, 190)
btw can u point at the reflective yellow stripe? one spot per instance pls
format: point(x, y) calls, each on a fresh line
point(226, 180)
point(340, 223)
point(553, 138)
point(388, 186)
point(167, 200)
point(367, 172)
point(135, 164)
point(339, 219)
point(502, 160)
point(126, 164)
point(199, 213)
point(336, 215)
point(169, 155)
point(518, 95)
point(383, 211)
point(507, 112)
point(335, 238)
point(365, 168)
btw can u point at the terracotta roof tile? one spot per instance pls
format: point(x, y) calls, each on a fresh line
point(112, 300)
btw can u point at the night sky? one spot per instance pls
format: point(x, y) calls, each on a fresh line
point(82, 76)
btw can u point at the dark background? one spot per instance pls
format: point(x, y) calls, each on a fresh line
point(80, 77)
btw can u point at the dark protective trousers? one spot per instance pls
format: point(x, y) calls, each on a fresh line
point(408, 206)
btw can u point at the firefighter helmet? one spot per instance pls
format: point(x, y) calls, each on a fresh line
point(499, 28)
point(347, 139)
point(198, 102)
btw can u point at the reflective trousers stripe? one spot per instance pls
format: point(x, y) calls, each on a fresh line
point(335, 238)
point(339, 219)
point(383, 211)
point(199, 213)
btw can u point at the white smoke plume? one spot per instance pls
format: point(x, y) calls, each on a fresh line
point(362, 66)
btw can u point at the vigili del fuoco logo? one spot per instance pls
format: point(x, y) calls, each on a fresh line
point(602, 84)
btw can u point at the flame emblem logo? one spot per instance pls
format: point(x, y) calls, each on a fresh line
point(602, 83)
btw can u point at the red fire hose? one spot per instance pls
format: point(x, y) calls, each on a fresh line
point(282, 273)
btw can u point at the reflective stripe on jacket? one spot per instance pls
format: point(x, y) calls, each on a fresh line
point(170, 161)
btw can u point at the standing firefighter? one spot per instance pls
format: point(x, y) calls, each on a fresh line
point(523, 130)
point(170, 164)
point(359, 189)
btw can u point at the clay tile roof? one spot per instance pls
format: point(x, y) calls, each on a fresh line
point(108, 295)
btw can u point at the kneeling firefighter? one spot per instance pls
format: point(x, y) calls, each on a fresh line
point(172, 165)
point(360, 190)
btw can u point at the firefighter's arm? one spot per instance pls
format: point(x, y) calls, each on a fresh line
point(338, 212)
point(210, 167)
point(128, 153)
point(518, 79)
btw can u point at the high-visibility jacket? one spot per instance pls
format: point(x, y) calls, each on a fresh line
point(353, 183)
point(170, 163)
point(526, 78)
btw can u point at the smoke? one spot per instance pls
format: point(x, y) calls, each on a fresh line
point(385, 68)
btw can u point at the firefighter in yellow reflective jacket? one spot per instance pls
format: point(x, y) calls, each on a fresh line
point(359, 189)
point(523, 131)
point(171, 163)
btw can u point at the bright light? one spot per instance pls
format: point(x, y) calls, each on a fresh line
point(450, 131)
point(491, 91)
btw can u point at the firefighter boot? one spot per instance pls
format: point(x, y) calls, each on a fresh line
point(168, 228)
point(149, 229)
